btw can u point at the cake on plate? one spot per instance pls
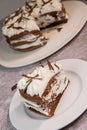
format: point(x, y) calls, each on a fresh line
point(22, 29)
point(42, 89)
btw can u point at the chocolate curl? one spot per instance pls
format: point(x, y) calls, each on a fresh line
point(14, 87)
point(50, 66)
point(41, 64)
point(59, 29)
point(29, 77)
point(57, 66)
point(27, 85)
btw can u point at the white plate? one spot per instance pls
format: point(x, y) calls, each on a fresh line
point(77, 19)
point(71, 106)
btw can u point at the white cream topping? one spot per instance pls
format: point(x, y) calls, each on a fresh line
point(54, 5)
point(39, 3)
point(35, 12)
point(37, 87)
point(27, 25)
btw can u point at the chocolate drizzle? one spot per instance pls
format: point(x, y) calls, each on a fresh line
point(17, 27)
point(19, 11)
point(50, 66)
point(30, 6)
point(14, 87)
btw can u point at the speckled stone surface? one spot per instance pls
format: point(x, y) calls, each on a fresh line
point(77, 48)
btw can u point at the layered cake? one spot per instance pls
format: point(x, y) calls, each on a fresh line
point(22, 28)
point(42, 89)
point(22, 32)
point(50, 13)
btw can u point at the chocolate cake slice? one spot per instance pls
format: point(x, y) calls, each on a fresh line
point(21, 31)
point(51, 13)
point(22, 28)
point(42, 90)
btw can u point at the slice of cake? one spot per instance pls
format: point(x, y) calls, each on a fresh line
point(22, 32)
point(22, 28)
point(50, 13)
point(42, 89)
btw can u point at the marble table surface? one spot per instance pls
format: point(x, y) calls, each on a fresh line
point(77, 48)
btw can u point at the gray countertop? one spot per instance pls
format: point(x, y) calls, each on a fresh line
point(77, 48)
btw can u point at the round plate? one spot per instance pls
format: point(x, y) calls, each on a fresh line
point(73, 103)
point(77, 19)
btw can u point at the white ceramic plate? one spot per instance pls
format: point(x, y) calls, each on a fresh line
point(71, 106)
point(77, 19)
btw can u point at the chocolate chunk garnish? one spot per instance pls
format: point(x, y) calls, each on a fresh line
point(50, 66)
point(59, 29)
point(14, 87)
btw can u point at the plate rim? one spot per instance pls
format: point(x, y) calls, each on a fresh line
point(80, 111)
point(80, 26)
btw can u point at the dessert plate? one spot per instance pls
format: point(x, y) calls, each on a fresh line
point(56, 39)
point(71, 106)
